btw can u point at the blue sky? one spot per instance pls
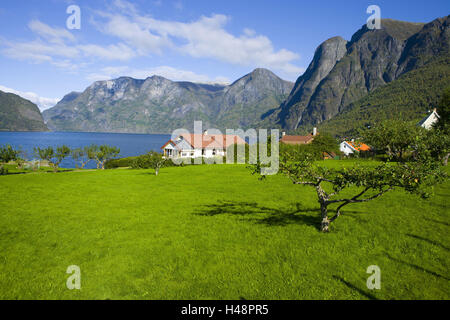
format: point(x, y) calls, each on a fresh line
point(193, 40)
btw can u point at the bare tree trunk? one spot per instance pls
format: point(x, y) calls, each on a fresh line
point(156, 171)
point(84, 164)
point(325, 224)
point(445, 160)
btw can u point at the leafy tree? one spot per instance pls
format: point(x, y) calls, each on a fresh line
point(7, 154)
point(45, 154)
point(443, 110)
point(62, 152)
point(394, 138)
point(78, 156)
point(52, 156)
point(20, 159)
point(325, 142)
point(435, 144)
point(370, 182)
point(152, 160)
point(82, 156)
point(439, 138)
point(102, 154)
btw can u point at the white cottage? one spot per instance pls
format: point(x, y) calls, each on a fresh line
point(200, 145)
point(429, 120)
point(350, 147)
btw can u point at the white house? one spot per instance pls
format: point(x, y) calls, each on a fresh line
point(200, 145)
point(350, 147)
point(429, 120)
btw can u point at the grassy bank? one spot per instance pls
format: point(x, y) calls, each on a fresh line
point(212, 232)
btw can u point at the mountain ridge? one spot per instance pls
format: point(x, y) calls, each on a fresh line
point(372, 59)
point(340, 74)
point(19, 114)
point(160, 105)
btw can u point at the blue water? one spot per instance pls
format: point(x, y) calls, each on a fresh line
point(129, 144)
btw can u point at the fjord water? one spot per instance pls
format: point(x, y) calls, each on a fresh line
point(129, 144)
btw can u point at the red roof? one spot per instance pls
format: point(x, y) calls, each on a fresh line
point(358, 146)
point(167, 143)
point(297, 139)
point(217, 141)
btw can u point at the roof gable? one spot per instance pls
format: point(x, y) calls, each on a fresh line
point(358, 146)
point(429, 120)
point(211, 141)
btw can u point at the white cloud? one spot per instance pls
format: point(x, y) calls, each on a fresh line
point(203, 38)
point(51, 46)
point(39, 51)
point(142, 36)
point(143, 40)
point(57, 35)
point(41, 102)
point(111, 52)
point(163, 71)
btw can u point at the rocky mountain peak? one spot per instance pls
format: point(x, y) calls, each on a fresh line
point(159, 105)
point(342, 72)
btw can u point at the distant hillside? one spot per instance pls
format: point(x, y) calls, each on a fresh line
point(159, 105)
point(343, 73)
point(408, 98)
point(18, 114)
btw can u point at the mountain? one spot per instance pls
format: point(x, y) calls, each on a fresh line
point(325, 58)
point(18, 114)
point(342, 72)
point(408, 98)
point(159, 105)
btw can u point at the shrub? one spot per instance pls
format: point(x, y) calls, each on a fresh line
point(120, 163)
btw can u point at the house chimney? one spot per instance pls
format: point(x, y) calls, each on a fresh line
point(315, 131)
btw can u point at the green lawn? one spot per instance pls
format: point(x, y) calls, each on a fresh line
point(212, 232)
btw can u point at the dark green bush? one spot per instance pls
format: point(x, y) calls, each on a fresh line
point(3, 171)
point(120, 163)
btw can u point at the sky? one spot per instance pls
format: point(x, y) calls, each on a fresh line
point(43, 58)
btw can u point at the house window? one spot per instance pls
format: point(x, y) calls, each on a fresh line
point(203, 152)
point(214, 152)
point(192, 154)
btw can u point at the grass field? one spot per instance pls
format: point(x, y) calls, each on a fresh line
point(212, 232)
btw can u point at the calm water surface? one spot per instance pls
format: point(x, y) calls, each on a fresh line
point(129, 144)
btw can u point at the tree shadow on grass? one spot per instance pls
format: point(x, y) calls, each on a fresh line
point(28, 172)
point(11, 173)
point(437, 221)
point(433, 242)
point(353, 287)
point(414, 266)
point(150, 173)
point(262, 214)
